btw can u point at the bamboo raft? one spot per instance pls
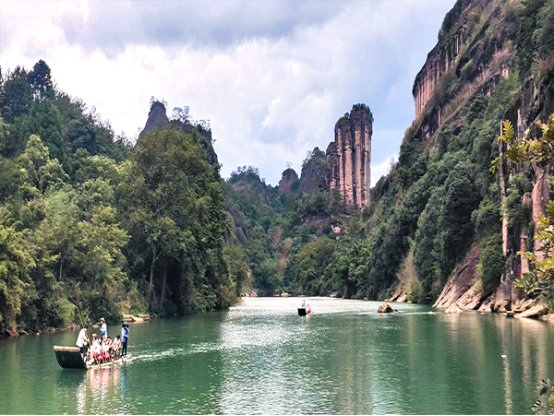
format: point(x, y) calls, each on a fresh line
point(70, 357)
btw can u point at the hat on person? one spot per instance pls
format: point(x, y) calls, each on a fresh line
point(101, 319)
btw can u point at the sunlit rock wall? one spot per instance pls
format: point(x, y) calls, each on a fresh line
point(349, 156)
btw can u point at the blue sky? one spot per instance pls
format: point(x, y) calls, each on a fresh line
point(271, 76)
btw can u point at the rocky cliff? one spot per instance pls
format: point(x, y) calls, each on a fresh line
point(312, 176)
point(288, 183)
point(472, 74)
point(158, 120)
point(313, 172)
point(349, 156)
point(473, 54)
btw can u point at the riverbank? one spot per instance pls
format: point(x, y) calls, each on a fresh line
point(456, 301)
point(139, 318)
point(464, 291)
point(48, 330)
point(529, 310)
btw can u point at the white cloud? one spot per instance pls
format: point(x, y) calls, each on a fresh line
point(382, 169)
point(271, 92)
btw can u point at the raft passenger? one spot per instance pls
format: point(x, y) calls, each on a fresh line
point(105, 349)
point(116, 346)
point(96, 349)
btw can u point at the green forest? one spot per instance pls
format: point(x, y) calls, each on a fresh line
point(92, 225)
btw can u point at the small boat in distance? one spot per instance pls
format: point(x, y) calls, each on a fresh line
point(70, 357)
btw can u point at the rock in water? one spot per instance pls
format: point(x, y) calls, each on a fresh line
point(386, 308)
point(534, 312)
point(454, 308)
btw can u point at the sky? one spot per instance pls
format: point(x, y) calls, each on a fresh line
point(272, 77)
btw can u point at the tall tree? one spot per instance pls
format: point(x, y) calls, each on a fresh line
point(4, 135)
point(175, 207)
point(18, 96)
point(44, 120)
point(42, 171)
point(40, 80)
point(16, 265)
point(1, 86)
point(81, 136)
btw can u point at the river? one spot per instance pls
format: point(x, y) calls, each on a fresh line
point(260, 357)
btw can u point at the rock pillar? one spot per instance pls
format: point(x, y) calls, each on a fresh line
point(348, 158)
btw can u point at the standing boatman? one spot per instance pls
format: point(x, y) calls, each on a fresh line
point(83, 342)
point(103, 328)
point(124, 337)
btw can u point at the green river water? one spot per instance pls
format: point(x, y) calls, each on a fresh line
point(260, 357)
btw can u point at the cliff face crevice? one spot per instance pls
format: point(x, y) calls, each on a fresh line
point(349, 157)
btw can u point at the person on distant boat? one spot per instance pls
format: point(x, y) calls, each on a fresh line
point(96, 349)
point(124, 338)
point(105, 349)
point(103, 328)
point(110, 346)
point(116, 346)
point(90, 358)
point(83, 342)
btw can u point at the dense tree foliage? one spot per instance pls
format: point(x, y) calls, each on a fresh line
point(90, 226)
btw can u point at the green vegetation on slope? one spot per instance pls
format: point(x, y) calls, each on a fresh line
point(441, 198)
point(90, 226)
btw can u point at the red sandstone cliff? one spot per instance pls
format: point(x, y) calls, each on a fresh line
point(349, 156)
point(474, 53)
point(463, 58)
